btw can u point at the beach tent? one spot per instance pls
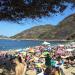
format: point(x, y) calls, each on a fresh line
point(45, 43)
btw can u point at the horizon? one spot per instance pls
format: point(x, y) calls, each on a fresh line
point(9, 29)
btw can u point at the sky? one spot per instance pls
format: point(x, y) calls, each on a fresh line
point(11, 28)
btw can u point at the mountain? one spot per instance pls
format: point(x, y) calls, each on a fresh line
point(71, 37)
point(3, 37)
point(34, 32)
point(64, 30)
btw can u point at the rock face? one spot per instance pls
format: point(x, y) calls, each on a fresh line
point(66, 27)
point(65, 30)
point(36, 32)
point(71, 37)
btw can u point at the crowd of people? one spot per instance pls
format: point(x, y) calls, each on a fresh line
point(41, 60)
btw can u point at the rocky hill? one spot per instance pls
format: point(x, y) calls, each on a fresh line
point(65, 30)
point(3, 37)
point(34, 32)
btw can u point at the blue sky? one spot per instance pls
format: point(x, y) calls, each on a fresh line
point(10, 28)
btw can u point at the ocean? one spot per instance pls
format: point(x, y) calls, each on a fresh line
point(17, 44)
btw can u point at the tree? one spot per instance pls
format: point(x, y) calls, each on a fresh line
point(18, 9)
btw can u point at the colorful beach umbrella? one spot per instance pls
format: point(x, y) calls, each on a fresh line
point(37, 50)
point(23, 53)
point(42, 56)
point(31, 50)
point(38, 65)
point(59, 52)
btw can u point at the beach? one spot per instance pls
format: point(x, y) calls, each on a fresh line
point(38, 59)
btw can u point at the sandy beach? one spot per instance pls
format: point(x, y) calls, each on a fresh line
point(39, 58)
point(70, 71)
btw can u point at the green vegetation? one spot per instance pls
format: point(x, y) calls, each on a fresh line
point(15, 10)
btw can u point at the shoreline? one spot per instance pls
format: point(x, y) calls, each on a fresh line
point(37, 39)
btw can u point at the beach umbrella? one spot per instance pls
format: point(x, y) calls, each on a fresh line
point(23, 53)
point(42, 56)
point(26, 49)
point(37, 50)
point(45, 43)
point(38, 65)
point(59, 52)
point(69, 49)
point(61, 45)
point(45, 53)
point(64, 57)
point(31, 50)
point(19, 50)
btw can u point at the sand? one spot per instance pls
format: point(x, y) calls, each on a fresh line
point(70, 71)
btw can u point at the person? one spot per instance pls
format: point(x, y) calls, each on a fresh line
point(48, 61)
point(20, 68)
point(48, 65)
point(48, 71)
point(31, 70)
point(57, 72)
point(59, 66)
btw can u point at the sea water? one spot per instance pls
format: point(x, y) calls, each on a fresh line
point(16, 44)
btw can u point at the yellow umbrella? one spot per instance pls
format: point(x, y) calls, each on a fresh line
point(38, 65)
point(23, 53)
point(42, 56)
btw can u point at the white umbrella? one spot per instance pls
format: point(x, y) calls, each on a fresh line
point(45, 43)
point(69, 49)
point(26, 49)
point(61, 45)
point(19, 50)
